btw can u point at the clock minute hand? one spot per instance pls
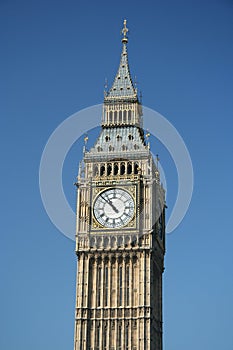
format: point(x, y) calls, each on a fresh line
point(110, 203)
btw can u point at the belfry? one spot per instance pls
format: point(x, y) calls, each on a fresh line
point(120, 233)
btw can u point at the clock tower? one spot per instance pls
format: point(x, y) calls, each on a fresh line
point(120, 235)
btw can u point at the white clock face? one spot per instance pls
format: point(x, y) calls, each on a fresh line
point(114, 208)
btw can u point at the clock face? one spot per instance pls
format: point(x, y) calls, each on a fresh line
point(114, 208)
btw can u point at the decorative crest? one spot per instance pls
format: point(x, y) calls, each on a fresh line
point(85, 143)
point(124, 32)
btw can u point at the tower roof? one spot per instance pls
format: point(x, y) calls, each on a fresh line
point(123, 87)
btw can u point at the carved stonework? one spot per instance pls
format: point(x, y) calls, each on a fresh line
point(120, 234)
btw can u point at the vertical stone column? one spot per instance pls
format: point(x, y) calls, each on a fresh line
point(78, 213)
point(117, 282)
point(134, 113)
point(85, 338)
point(82, 268)
point(81, 278)
point(161, 313)
point(131, 282)
point(148, 281)
point(123, 281)
point(102, 286)
point(86, 279)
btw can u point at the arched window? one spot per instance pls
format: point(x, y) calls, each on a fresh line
point(129, 116)
point(134, 241)
point(96, 170)
point(129, 168)
point(92, 242)
point(99, 149)
point(113, 241)
point(106, 242)
point(120, 117)
point(110, 117)
point(127, 241)
point(99, 242)
point(115, 117)
point(115, 172)
point(124, 116)
point(124, 148)
point(122, 168)
point(136, 146)
point(109, 169)
point(120, 241)
point(136, 168)
point(107, 138)
point(102, 170)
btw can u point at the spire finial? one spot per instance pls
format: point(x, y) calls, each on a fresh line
point(147, 139)
point(85, 143)
point(157, 161)
point(124, 32)
point(105, 87)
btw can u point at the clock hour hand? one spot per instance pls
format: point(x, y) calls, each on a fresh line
point(110, 203)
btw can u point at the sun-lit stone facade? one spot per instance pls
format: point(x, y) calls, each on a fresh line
point(120, 235)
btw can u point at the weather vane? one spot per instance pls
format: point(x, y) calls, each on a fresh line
point(124, 32)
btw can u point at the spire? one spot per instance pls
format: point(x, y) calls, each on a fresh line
point(121, 104)
point(123, 87)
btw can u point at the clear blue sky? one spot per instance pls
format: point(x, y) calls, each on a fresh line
point(55, 56)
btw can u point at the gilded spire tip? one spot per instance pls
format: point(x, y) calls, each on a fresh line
point(124, 32)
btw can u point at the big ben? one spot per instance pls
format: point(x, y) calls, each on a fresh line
point(120, 233)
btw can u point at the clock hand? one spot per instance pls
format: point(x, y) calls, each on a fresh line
point(110, 203)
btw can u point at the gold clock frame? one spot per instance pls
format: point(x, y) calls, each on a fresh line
point(131, 189)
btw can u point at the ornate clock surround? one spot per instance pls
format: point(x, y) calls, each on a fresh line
point(95, 226)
